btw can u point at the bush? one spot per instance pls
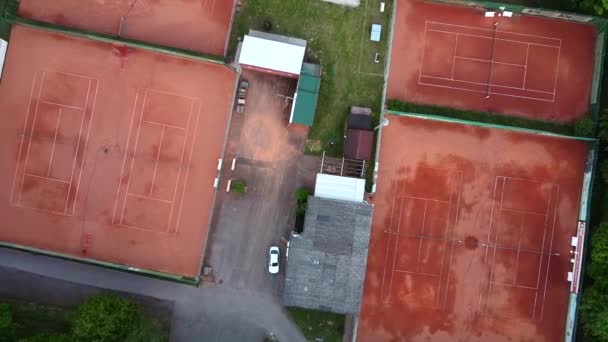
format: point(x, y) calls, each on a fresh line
point(594, 311)
point(7, 326)
point(239, 186)
point(47, 338)
point(302, 198)
point(105, 318)
point(584, 127)
point(604, 170)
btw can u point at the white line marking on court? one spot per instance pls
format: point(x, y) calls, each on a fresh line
point(526, 69)
point(524, 212)
point(484, 92)
point(521, 231)
point(162, 124)
point(61, 105)
point(556, 73)
point(427, 237)
point(485, 259)
point(181, 160)
point(27, 114)
point(84, 114)
point(181, 204)
point(160, 145)
point(501, 39)
point(149, 198)
point(124, 160)
point(517, 286)
point(490, 30)
point(29, 146)
point(447, 281)
point(421, 233)
point(423, 51)
point(504, 185)
point(47, 178)
point(491, 61)
point(139, 122)
point(388, 239)
point(454, 56)
point(43, 210)
point(542, 309)
point(418, 273)
point(390, 285)
point(486, 84)
point(542, 249)
point(48, 171)
point(171, 93)
point(71, 74)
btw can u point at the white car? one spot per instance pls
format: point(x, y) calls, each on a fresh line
point(273, 260)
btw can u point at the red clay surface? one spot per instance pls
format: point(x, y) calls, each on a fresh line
point(470, 235)
point(198, 25)
point(453, 56)
point(107, 158)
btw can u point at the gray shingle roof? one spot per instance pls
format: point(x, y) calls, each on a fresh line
point(326, 263)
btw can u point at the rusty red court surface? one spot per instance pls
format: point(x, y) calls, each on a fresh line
point(471, 234)
point(202, 26)
point(454, 56)
point(108, 156)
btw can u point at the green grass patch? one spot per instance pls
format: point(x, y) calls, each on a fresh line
point(30, 319)
point(318, 324)
point(5, 27)
point(489, 118)
point(338, 40)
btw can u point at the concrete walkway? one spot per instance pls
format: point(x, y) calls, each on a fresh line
point(199, 314)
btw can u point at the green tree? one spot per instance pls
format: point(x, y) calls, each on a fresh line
point(584, 127)
point(46, 338)
point(598, 265)
point(594, 311)
point(105, 318)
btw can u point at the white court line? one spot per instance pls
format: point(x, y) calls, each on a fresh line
point(124, 160)
point(549, 257)
point(521, 231)
point(181, 204)
point(504, 183)
point(556, 72)
point(453, 57)
point(71, 74)
point(427, 199)
point(146, 230)
point(160, 145)
point(48, 171)
point(27, 114)
point(86, 102)
point(149, 198)
point(421, 273)
point(141, 115)
point(542, 249)
point(485, 92)
point(526, 69)
point(524, 212)
point(86, 141)
point(29, 145)
point(525, 250)
point(46, 178)
point(43, 210)
point(517, 286)
point(490, 30)
point(162, 124)
point(423, 50)
point(502, 39)
point(388, 240)
point(491, 61)
point(447, 281)
point(61, 105)
point(421, 233)
point(487, 84)
point(445, 244)
point(390, 284)
point(181, 160)
point(171, 93)
point(427, 237)
point(491, 218)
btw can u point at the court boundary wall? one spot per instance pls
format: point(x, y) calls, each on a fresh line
point(105, 264)
point(584, 205)
point(11, 17)
point(600, 43)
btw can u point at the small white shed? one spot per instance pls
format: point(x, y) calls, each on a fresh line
point(340, 188)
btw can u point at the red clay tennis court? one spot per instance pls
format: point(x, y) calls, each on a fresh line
point(471, 234)
point(454, 56)
point(110, 156)
point(202, 26)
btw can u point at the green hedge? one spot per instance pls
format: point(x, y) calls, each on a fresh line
point(490, 118)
